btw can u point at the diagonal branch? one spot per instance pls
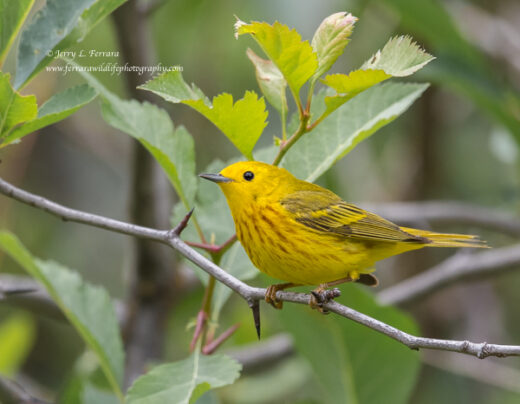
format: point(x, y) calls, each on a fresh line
point(448, 212)
point(12, 392)
point(454, 269)
point(25, 292)
point(264, 354)
point(248, 293)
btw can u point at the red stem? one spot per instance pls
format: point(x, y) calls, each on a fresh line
point(213, 345)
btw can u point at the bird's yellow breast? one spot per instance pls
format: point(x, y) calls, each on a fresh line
point(285, 249)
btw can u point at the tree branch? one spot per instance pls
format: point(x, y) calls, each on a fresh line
point(454, 269)
point(14, 291)
point(12, 392)
point(27, 293)
point(489, 372)
point(252, 294)
point(262, 354)
point(447, 212)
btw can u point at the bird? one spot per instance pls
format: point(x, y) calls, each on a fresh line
point(304, 234)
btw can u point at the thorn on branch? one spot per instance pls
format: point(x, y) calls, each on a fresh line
point(255, 307)
point(212, 346)
point(183, 223)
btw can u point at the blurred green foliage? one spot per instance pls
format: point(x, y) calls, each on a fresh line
point(456, 143)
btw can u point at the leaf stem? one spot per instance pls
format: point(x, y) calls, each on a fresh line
point(285, 146)
point(283, 113)
point(317, 121)
point(212, 248)
point(210, 347)
point(298, 104)
point(309, 96)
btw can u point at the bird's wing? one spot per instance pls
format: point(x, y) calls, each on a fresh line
point(324, 211)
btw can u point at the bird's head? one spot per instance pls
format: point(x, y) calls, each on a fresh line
point(249, 180)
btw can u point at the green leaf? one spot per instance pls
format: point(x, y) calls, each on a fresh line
point(173, 148)
point(12, 16)
point(14, 108)
point(348, 86)
point(58, 25)
point(271, 81)
point(172, 87)
point(353, 122)
point(356, 81)
point(88, 308)
point(91, 394)
point(293, 57)
point(353, 363)
point(88, 20)
point(287, 380)
point(184, 381)
point(330, 40)
point(49, 27)
point(401, 56)
point(17, 336)
point(57, 108)
point(242, 122)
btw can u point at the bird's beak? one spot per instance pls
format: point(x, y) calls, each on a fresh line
point(215, 177)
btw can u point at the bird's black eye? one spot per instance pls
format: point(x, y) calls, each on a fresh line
point(248, 176)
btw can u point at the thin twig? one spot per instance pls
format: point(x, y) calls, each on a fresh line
point(264, 354)
point(489, 372)
point(212, 248)
point(447, 212)
point(38, 300)
point(252, 294)
point(213, 345)
point(454, 269)
point(12, 392)
point(12, 285)
point(261, 354)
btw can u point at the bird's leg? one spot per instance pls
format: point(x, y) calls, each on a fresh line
point(321, 295)
point(270, 293)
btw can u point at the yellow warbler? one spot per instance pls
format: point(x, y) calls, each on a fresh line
point(307, 235)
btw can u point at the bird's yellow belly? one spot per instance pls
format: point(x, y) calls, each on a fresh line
point(287, 250)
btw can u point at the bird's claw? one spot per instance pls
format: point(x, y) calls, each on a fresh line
point(270, 296)
point(320, 297)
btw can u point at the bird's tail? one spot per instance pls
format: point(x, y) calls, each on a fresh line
point(447, 240)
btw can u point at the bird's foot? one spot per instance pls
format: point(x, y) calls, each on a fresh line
point(270, 294)
point(321, 296)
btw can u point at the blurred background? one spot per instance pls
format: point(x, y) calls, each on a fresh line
point(459, 141)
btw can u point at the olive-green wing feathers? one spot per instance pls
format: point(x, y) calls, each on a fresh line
point(324, 211)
